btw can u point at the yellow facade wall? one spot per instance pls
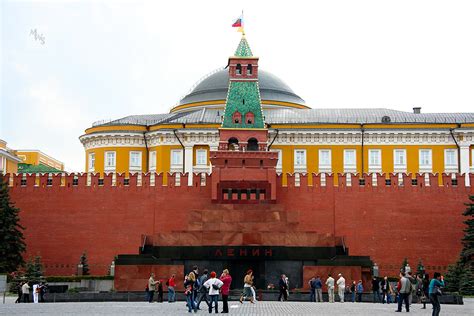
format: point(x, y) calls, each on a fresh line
point(122, 158)
point(11, 166)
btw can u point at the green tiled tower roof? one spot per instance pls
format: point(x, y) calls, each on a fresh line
point(243, 50)
point(27, 168)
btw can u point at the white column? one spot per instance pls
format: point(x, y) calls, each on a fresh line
point(464, 159)
point(188, 163)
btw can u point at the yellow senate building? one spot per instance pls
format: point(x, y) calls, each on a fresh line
point(308, 140)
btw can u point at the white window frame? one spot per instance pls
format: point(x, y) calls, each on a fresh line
point(91, 162)
point(453, 166)
point(107, 166)
point(325, 166)
point(301, 166)
point(176, 163)
point(279, 164)
point(375, 166)
point(350, 166)
point(135, 165)
point(425, 166)
point(152, 160)
point(397, 166)
point(200, 162)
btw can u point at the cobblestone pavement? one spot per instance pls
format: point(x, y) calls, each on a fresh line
point(261, 308)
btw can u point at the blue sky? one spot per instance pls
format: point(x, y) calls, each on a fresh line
point(109, 59)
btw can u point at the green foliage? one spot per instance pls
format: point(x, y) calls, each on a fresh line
point(404, 264)
point(34, 269)
point(12, 242)
point(466, 283)
point(420, 269)
point(453, 276)
point(85, 265)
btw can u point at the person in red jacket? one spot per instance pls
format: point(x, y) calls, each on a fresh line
point(171, 293)
point(227, 280)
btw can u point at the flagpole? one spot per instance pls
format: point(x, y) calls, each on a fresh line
point(243, 23)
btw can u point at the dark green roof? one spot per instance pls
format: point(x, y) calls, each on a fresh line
point(243, 50)
point(27, 168)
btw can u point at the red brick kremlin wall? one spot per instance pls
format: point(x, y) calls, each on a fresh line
point(386, 223)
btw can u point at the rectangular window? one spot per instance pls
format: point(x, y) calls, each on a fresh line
point(300, 158)
point(350, 160)
point(201, 157)
point(152, 160)
point(450, 160)
point(325, 160)
point(176, 157)
point(399, 160)
point(110, 161)
point(135, 160)
point(375, 160)
point(91, 162)
point(425, 160)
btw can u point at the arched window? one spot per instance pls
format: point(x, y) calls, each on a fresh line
point(252, 144)
point(249, 69)
point(237, 117)
point(249, 118)
point(238, 69)
point(233, 143)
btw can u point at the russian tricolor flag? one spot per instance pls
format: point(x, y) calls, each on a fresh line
point(239, 23)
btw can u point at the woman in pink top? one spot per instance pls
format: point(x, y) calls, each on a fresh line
point(227, 280)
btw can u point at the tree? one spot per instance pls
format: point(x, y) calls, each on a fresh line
point(420, 270)
point(34, 269)
point(85, 265)
point(452, 277)
point(12, 242)
point(404, 264)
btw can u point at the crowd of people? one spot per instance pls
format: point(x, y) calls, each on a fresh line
point(38, 290)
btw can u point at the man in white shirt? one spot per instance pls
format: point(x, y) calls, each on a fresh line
point(35, 293)
point(25, 290)
point(213, 284)
point(330, 285)
point(341, 287)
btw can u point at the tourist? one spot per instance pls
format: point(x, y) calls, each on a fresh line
point(25, 290)
point(319, 289)
point(42, 287)
point(213, 284)
point(202, 291)
point(35, 293)
point(189, 282)
point(376, 290)
point(412, 280)
point(341, 287)
point(171, 284)
point(151, 287)
point(248, 282)
point(225, 288)
point(18, 288)
point(385, 285)
point(360, 290)
point(330, 285)
point(404, 289)
point(312, 289)
point(253, 289)
point(159, 299)
point(283, 286)
point(353, 291)
point(425, 285)
point(435, 291)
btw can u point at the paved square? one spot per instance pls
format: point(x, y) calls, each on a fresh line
point(261, 308)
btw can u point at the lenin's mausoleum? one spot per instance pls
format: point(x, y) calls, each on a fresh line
point(242, 174)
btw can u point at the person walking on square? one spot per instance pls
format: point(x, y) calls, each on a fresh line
point(189, 282)
point(425, 285)
point(202, 290)
point(151, 287)
point(25, 290)
point(341, 287)
point(213, 284)
point(353, 291)
point(42, 287)
point(225, 288)
point(19, 293)
point(376, 290)
point(385, 286)
point(283, 286)
point(159, 299)
point(330, 285)
point(412, 280)
point(312, 289)
point(435, 291)
point(248, 282)
point(319, 289)
point(171, 284)
point(404, 289)
point(359, 290)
